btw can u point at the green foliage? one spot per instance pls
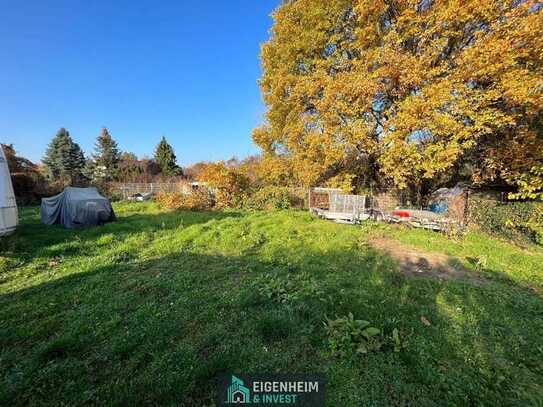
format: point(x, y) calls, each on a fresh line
point(133, 170)
point(64, 158)
point(270, 198)
point(396, 341)
point(519, 221)
point(166, 159)
point(104, 165)
point(288, 289)
point(530, 184)
point(347, 335)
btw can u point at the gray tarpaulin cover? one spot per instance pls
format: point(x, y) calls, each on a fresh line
point(77, 207)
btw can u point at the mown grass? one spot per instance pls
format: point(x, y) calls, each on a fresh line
point(152, 308)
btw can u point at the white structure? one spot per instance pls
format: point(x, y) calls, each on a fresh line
point(8, 207)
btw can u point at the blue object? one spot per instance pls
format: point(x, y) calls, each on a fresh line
point(439, 207)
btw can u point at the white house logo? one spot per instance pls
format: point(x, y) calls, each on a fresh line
point(271, 390)
point(237, 392)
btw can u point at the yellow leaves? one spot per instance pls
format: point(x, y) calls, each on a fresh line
point(414, 86)
point(262, 137)
point(530, 184)
point(343, 182)
point(522, 87)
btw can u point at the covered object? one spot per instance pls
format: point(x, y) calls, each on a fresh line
point(8, 206)
point(76, 208)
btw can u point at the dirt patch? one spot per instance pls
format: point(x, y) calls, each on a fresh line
point(418, 263)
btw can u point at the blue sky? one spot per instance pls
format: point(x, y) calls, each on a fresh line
point(187, 70)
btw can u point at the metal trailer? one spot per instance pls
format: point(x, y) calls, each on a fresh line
point(340, 207)
point(333, 204)
point(421, 219)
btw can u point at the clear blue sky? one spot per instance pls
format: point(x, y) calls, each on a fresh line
point(184, 69)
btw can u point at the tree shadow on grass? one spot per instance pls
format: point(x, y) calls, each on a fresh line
point(159, 332)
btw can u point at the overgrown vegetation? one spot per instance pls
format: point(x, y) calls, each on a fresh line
point(521, 222)
point(272, 197)
point(196, 200)
point(150, 309)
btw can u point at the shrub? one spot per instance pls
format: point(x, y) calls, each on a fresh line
point(30, 187)
point(519, 221)
point(270, 198)
point(229, 184)
point(197, 200)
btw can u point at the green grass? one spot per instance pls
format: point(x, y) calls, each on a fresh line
point(152, 308)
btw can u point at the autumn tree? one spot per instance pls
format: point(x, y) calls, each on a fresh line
point(166, 159)
point(64, 160)
point(411, 92)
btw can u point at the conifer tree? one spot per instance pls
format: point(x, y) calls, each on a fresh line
point(106, 157)
point(64, 159)
point(166, 159)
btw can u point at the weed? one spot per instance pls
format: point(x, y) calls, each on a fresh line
point(347, 335)
point(289, 288)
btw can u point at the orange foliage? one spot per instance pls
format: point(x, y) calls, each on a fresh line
point(408, 90)
point(197, 200)
point(229, 184)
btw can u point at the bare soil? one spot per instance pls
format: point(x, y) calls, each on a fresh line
point(418, 263)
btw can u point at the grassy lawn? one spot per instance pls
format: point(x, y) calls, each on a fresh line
point(150, 309)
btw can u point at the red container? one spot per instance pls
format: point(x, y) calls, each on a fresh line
point(401, 214)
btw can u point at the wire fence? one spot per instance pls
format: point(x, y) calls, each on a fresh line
point(126, 190)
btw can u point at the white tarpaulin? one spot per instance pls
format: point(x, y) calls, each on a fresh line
point(8, 206)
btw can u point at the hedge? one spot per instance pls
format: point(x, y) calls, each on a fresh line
point(521, 222)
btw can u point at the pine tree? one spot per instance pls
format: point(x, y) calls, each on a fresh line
point(165, 157)
point(64, 159)
point(107, 156)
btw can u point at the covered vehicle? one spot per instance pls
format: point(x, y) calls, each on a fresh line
point(8, 206)
point(77, 208)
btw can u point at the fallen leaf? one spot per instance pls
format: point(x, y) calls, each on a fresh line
point(53, 263)
point(425, 321)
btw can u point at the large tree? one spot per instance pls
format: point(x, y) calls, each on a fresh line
point(131, 169)
point(106, 157)
point(64, 159)
point(166, 159)
point(409, 91)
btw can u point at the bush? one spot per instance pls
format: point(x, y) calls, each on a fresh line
point(519, 221)
point(30, 187)
point(269, 198)
point(197, 200)
point(229, 184)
